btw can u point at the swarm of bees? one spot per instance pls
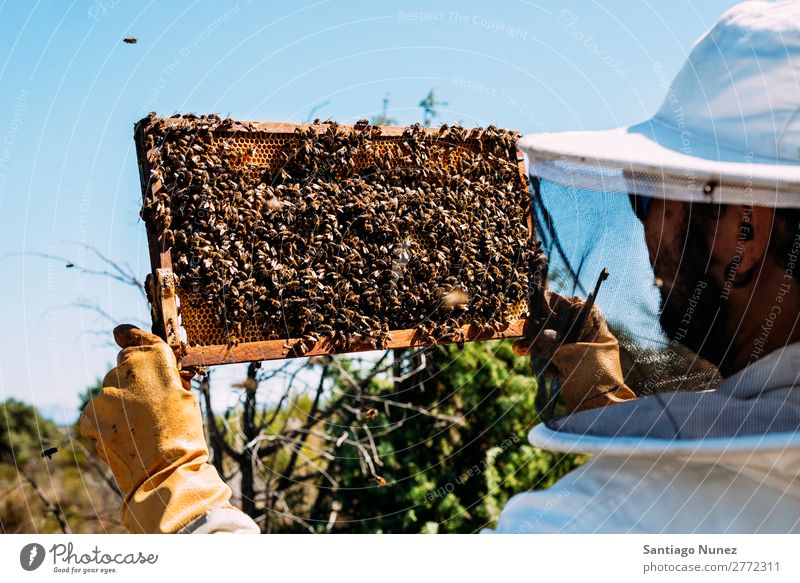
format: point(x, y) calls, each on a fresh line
point(350, 234)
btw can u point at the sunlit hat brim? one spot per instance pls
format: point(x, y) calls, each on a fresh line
point(656, 160)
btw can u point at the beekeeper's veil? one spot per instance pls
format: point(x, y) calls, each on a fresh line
point(728, 132)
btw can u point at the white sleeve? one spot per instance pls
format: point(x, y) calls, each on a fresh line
point(653, 494)
point(222, 520)
point(603, 495)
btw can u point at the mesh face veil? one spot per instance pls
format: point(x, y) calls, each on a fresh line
point(583, 231)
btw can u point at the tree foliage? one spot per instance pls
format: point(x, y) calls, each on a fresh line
point(23, 433)
point(442, 476)
point(50, 482)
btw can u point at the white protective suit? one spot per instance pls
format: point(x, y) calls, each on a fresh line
point(746, 482)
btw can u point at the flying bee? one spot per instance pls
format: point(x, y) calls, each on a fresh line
point(456, 298)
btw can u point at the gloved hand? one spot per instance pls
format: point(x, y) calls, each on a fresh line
point(149, 430)
point(589, 370)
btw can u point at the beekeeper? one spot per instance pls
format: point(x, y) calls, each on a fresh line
point(714, 178)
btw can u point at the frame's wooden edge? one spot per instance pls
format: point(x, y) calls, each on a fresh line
point(165, 289)
point(274, 127)
point(523, 178)
point(163, 303)
point(523, 175)
point(282, 349)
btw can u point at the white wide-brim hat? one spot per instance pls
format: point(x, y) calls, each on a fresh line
point(728, 131)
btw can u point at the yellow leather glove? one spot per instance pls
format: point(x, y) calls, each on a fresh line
point(589, 371)
point(149, 430)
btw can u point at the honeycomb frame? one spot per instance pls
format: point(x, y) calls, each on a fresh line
point(185, 323)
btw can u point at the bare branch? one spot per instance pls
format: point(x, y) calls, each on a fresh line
point(53, 508)
point(84, 305)
point(287, 513)
point(374, 449)
point(101, 471)
point(122, 273)
point(421, 410)
point(219, 437)
point(310, 421)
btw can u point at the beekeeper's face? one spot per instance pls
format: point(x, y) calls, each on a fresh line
point(691, 310)
point(706, 259)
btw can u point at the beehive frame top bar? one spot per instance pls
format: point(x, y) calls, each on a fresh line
point(176, 309)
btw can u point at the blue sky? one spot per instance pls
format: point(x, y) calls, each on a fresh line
point(70, 92)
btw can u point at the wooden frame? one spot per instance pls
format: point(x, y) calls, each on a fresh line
point(164, 294)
